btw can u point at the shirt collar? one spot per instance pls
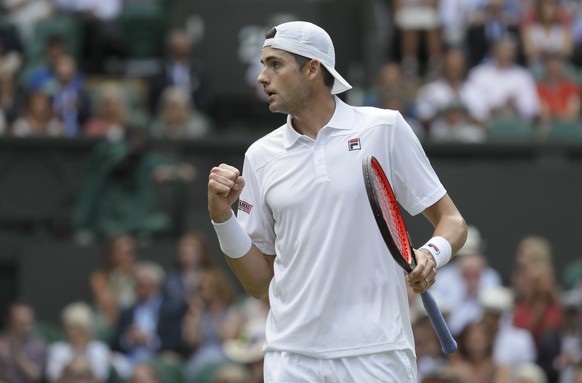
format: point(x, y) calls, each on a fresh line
point(342, 119)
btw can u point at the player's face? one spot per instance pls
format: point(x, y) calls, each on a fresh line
point(283, 82)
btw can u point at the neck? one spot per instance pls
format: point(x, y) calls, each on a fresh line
point(315, 115)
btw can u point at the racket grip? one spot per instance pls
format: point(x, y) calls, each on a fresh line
point(448, 343)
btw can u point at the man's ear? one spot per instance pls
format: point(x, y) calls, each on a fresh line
point(313, 68)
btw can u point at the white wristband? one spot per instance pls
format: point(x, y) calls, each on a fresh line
point(440, 249)
point(234, 240)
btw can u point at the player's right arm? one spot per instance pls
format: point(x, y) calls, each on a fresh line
point(253, 268)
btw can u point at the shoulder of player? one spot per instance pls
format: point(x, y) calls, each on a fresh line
point(367, 117)
point(265, 148)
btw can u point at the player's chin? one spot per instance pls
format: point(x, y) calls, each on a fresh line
point(274, 107)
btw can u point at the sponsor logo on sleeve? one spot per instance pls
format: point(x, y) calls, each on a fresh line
point(244, 206)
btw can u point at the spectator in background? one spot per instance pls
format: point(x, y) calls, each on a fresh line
point(192, 258)
point(101, 37)
point(247, 348)
point(70, 102)
point(462, 280)
point(389, 80)
point(532, 250)
point(506, 89)
point(435, 99)
point(111, 112)
point(454, 17)
point(78, 322)
point(178, 118)
point(547, 34)
point(152, 325)
point(561, 349)
point(22, 354)
point(43, 73)
point(560, 96)
point(474, 360)
point(144, 373)
point(539, 310)
point(181, 70)
point(79, 370)
point(528, 372)
point(455, 125)
point(429, 356)
point(398, 101)
point(113, 285)
point(9, 95)
point(511, 346)
point(25, 14)
point(391, 90)
point(38, 118)
point(118, 192)
point(212, 319)
point(490, 23)
point(418, 20)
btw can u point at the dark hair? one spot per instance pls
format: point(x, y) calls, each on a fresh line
point(301, 61)
point(464, 335)
point(200, 237)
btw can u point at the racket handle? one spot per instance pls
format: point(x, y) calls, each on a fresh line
point(448, 343)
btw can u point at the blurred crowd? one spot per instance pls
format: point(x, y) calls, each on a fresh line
point(65, 71)
point(524, 327)
point(189, 324)
point(478, 70)
point(459, 70)
point(143, 324)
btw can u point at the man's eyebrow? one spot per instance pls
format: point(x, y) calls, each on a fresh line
point(270, 58)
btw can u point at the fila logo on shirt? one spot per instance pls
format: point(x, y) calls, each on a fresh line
point(354, 144)
point(434, 247)
point(244, 206)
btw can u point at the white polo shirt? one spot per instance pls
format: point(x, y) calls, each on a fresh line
point(336, 291)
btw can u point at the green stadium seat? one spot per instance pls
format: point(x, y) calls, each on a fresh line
point(565, 131)
point(10, 28)
point(169, 370)
point(509, 130)
point(144, 27)
point(49, 332)
point(66, 27)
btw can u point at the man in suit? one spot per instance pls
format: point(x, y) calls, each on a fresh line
point(180, 70)
point(149, 326)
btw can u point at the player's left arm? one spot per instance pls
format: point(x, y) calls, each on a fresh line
point(449, 224)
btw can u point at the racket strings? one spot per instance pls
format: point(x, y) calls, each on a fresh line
point(391, 214)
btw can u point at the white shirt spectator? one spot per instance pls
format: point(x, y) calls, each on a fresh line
point(501, 86)
point(437, 95)
point(60, 354)
point(512, 345)
point(465, 307)
point(25, 14)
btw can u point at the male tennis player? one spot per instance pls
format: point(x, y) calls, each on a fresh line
point(306, 238)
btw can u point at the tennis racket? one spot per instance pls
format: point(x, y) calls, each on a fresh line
point(393, 230)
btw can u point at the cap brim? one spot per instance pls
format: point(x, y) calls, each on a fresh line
point(340, 84)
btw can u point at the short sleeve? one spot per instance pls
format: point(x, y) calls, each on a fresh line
point(415, 183)
point(253, 213)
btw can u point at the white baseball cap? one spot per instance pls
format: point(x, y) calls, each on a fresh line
point(309, 40)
